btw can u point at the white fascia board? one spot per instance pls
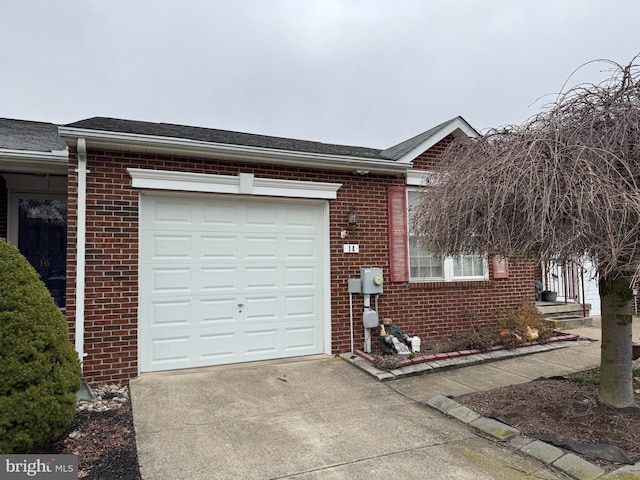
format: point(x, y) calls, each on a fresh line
point(456, 127)
point(186, 147)
point(416, 178)
point(244, 184)
point(29, 161)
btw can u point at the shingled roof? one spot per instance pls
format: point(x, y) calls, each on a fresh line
point(212, 135)
point(30, 136)
point(400, 150)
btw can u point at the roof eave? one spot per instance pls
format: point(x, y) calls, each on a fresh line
point(29, 161)
point(181, 146)
point(458, 126)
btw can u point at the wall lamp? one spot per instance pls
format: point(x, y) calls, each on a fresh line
point(352, 219)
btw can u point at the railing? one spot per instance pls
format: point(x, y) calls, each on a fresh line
point(567, 279)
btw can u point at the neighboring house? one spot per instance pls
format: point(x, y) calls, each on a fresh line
point(191, 247)
point(33, 197)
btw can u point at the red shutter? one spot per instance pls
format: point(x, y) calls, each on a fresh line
point(500, 267)
point(398, 258)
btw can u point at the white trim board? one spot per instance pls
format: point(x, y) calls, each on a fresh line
point(243, 184)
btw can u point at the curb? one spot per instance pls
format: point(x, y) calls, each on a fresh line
point(568, 463)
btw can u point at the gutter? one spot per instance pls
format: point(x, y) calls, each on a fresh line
point(81, 247)
point(181, 146)
point(30, 161)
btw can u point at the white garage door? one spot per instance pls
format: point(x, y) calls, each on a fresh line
point(227, 280)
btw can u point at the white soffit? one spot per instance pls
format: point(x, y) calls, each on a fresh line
point(243, 184)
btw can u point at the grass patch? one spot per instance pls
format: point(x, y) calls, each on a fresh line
point(592, 377)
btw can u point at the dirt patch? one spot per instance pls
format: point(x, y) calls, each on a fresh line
point(105, 443)
point(564, 409)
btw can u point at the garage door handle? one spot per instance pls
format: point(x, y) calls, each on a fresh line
point(240, 305)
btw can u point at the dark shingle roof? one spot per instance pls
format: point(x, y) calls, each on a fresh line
point(30, 136)
point(221, 136)
point(398, 151)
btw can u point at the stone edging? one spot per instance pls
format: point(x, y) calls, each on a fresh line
point(450, 361)
point(568, 463)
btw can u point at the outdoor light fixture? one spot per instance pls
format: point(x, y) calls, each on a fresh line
point(352, 219)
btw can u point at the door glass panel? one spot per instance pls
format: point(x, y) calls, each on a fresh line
point(42, 239)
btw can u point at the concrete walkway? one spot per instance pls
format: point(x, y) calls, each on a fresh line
point(321, 418)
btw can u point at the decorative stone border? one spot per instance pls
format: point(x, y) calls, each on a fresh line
point(464, 353)
point(448, 361)
point(568, 463)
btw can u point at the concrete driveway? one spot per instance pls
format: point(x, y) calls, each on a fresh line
point(315, 418)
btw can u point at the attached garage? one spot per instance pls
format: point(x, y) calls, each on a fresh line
point(229, 279)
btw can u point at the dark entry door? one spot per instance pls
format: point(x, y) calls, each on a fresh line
point(42, 239)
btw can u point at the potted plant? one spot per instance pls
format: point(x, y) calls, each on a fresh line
point(549, 296)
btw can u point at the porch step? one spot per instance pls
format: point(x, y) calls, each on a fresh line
point(553, 309)
point(569, 321)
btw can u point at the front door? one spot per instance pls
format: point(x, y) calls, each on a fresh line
point(42, 239)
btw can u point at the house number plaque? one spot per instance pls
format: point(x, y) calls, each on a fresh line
point(351, 248)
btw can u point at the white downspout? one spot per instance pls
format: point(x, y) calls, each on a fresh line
point(81, 246)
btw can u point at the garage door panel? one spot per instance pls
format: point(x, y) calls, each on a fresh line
point(223, 215)
point(303, 338)
point(215, 312)
point(297, 248)
point(171, 350)
point(261, 278)
point(261, 309)
point(170, 213)
point(301, 277)
point(262, 247)
point(298, 218)
point(218, 347)
point(219, 247)
point(229, 280)
point(171, 246)
point(168, 314)
point(171, 280)
point(297, 306)
point(260, 342)
point(218, 279)
point(260, 217)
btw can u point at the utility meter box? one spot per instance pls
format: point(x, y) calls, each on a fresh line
point(370, 319)
point(371, 281)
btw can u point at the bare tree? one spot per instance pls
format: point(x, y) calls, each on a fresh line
point(564, 185)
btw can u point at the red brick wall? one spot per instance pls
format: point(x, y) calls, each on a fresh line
point(425, 309)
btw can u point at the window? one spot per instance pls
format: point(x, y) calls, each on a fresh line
point(425, 266)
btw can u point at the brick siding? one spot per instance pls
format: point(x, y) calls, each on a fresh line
point(430, 310)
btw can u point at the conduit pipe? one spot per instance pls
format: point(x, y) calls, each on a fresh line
point(81, 232)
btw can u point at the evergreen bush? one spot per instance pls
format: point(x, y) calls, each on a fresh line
point(39, 368)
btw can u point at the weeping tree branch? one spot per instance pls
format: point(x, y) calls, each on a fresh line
point(562, 185)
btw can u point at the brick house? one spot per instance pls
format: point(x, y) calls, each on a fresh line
point(173, 247)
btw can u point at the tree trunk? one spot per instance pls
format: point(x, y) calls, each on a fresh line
point(616, 376)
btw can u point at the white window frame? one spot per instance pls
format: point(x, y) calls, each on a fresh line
point(448, 263)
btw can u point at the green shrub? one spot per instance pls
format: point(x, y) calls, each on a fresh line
point(39, 368)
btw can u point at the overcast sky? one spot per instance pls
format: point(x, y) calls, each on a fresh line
point(357, 72)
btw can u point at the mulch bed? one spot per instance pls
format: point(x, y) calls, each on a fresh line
point(105, 445)
point(564, 409)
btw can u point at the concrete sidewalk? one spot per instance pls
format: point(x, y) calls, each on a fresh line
point(322, 418)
